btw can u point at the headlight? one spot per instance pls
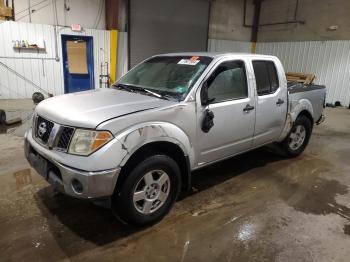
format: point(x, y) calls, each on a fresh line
point(84, 142)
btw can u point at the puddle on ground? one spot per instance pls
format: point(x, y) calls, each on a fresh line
point(23, 178)
point(18, 128)
point(314, 194)
point(8, 129)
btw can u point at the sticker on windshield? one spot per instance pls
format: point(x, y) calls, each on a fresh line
point(188, 61)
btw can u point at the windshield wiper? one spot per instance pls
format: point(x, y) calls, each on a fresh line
point(125, 87)
point(145, 90)
point(134, 89)
point(152, 93)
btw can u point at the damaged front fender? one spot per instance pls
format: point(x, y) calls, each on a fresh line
point(136, 137)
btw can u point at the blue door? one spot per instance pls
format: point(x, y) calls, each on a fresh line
point(78, 63)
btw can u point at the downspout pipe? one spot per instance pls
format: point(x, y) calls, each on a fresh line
point(57, 58)
point(255, 27)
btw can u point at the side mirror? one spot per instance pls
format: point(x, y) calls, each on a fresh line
point(205, 100)
point(208, 121)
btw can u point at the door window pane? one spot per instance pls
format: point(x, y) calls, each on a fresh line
point(77, 58)
point(272, 75)
point(266, 77)
point(261, 78)
point(228, 82)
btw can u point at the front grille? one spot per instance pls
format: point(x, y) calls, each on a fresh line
point(43, 129)
point(65, 138)
point(60, 135)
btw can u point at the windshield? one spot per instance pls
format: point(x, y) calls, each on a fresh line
point(168, 76)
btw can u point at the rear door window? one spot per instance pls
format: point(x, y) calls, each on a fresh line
point(266, 77)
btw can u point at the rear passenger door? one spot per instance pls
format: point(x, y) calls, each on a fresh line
point(271, 101)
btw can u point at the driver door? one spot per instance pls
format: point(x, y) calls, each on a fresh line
point(233, 106)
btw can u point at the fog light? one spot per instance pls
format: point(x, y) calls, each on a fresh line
point(77, 186)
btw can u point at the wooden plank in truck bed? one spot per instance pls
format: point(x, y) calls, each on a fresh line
point(306, 79)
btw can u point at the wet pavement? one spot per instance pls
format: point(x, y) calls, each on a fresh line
point(255, 207)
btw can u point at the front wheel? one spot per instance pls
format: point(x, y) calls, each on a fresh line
point(298, 138)
point(149, 191)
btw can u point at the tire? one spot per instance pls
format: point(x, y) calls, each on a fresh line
point(2, 117)
point(157, 182)
point(298, 138)
point(37, 97)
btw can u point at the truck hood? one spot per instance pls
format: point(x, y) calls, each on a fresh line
point(89, 108)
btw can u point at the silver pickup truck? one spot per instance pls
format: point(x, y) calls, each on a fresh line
point(136, 143)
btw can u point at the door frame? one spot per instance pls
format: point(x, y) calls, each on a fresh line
point(200, 109)
point(264, 138)
point(90, 57)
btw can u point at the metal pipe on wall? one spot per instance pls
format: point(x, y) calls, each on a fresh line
point(28, 58)
point(256, 18)
point(57, 58)
point(29, 12)
point(13, 9)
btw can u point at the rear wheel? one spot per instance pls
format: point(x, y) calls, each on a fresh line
point(298, 138)
point(149, 191)
point(2, 117)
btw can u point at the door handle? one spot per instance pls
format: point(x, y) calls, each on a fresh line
point(279, 101)
point(248, 108)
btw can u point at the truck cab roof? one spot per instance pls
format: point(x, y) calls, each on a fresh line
point(216, 55)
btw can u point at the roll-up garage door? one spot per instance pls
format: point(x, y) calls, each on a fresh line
point(163, 26)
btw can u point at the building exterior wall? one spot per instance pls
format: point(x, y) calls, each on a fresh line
point(215, 45)
point(226, 21)
point(22, 73)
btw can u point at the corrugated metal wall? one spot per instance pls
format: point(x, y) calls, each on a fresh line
point(25, 71)
point(328, 60)
point(216, 45)
point(122, 66)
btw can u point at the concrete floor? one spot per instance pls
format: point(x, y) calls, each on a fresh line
point(255, 207)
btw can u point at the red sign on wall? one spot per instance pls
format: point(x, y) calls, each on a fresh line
point(76, 27)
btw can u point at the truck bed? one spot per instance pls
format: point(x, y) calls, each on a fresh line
point(316, 94)
point(295, 87)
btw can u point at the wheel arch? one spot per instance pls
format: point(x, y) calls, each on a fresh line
point(167, 148)
point(156, 137)
point(302, 107)
point(297, 108)
point(307, 114)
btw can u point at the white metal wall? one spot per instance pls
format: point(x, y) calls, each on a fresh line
point(328, 60)
point(122, 63)
point(40, 68)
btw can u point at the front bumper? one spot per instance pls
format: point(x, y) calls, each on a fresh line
point(68, 180)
